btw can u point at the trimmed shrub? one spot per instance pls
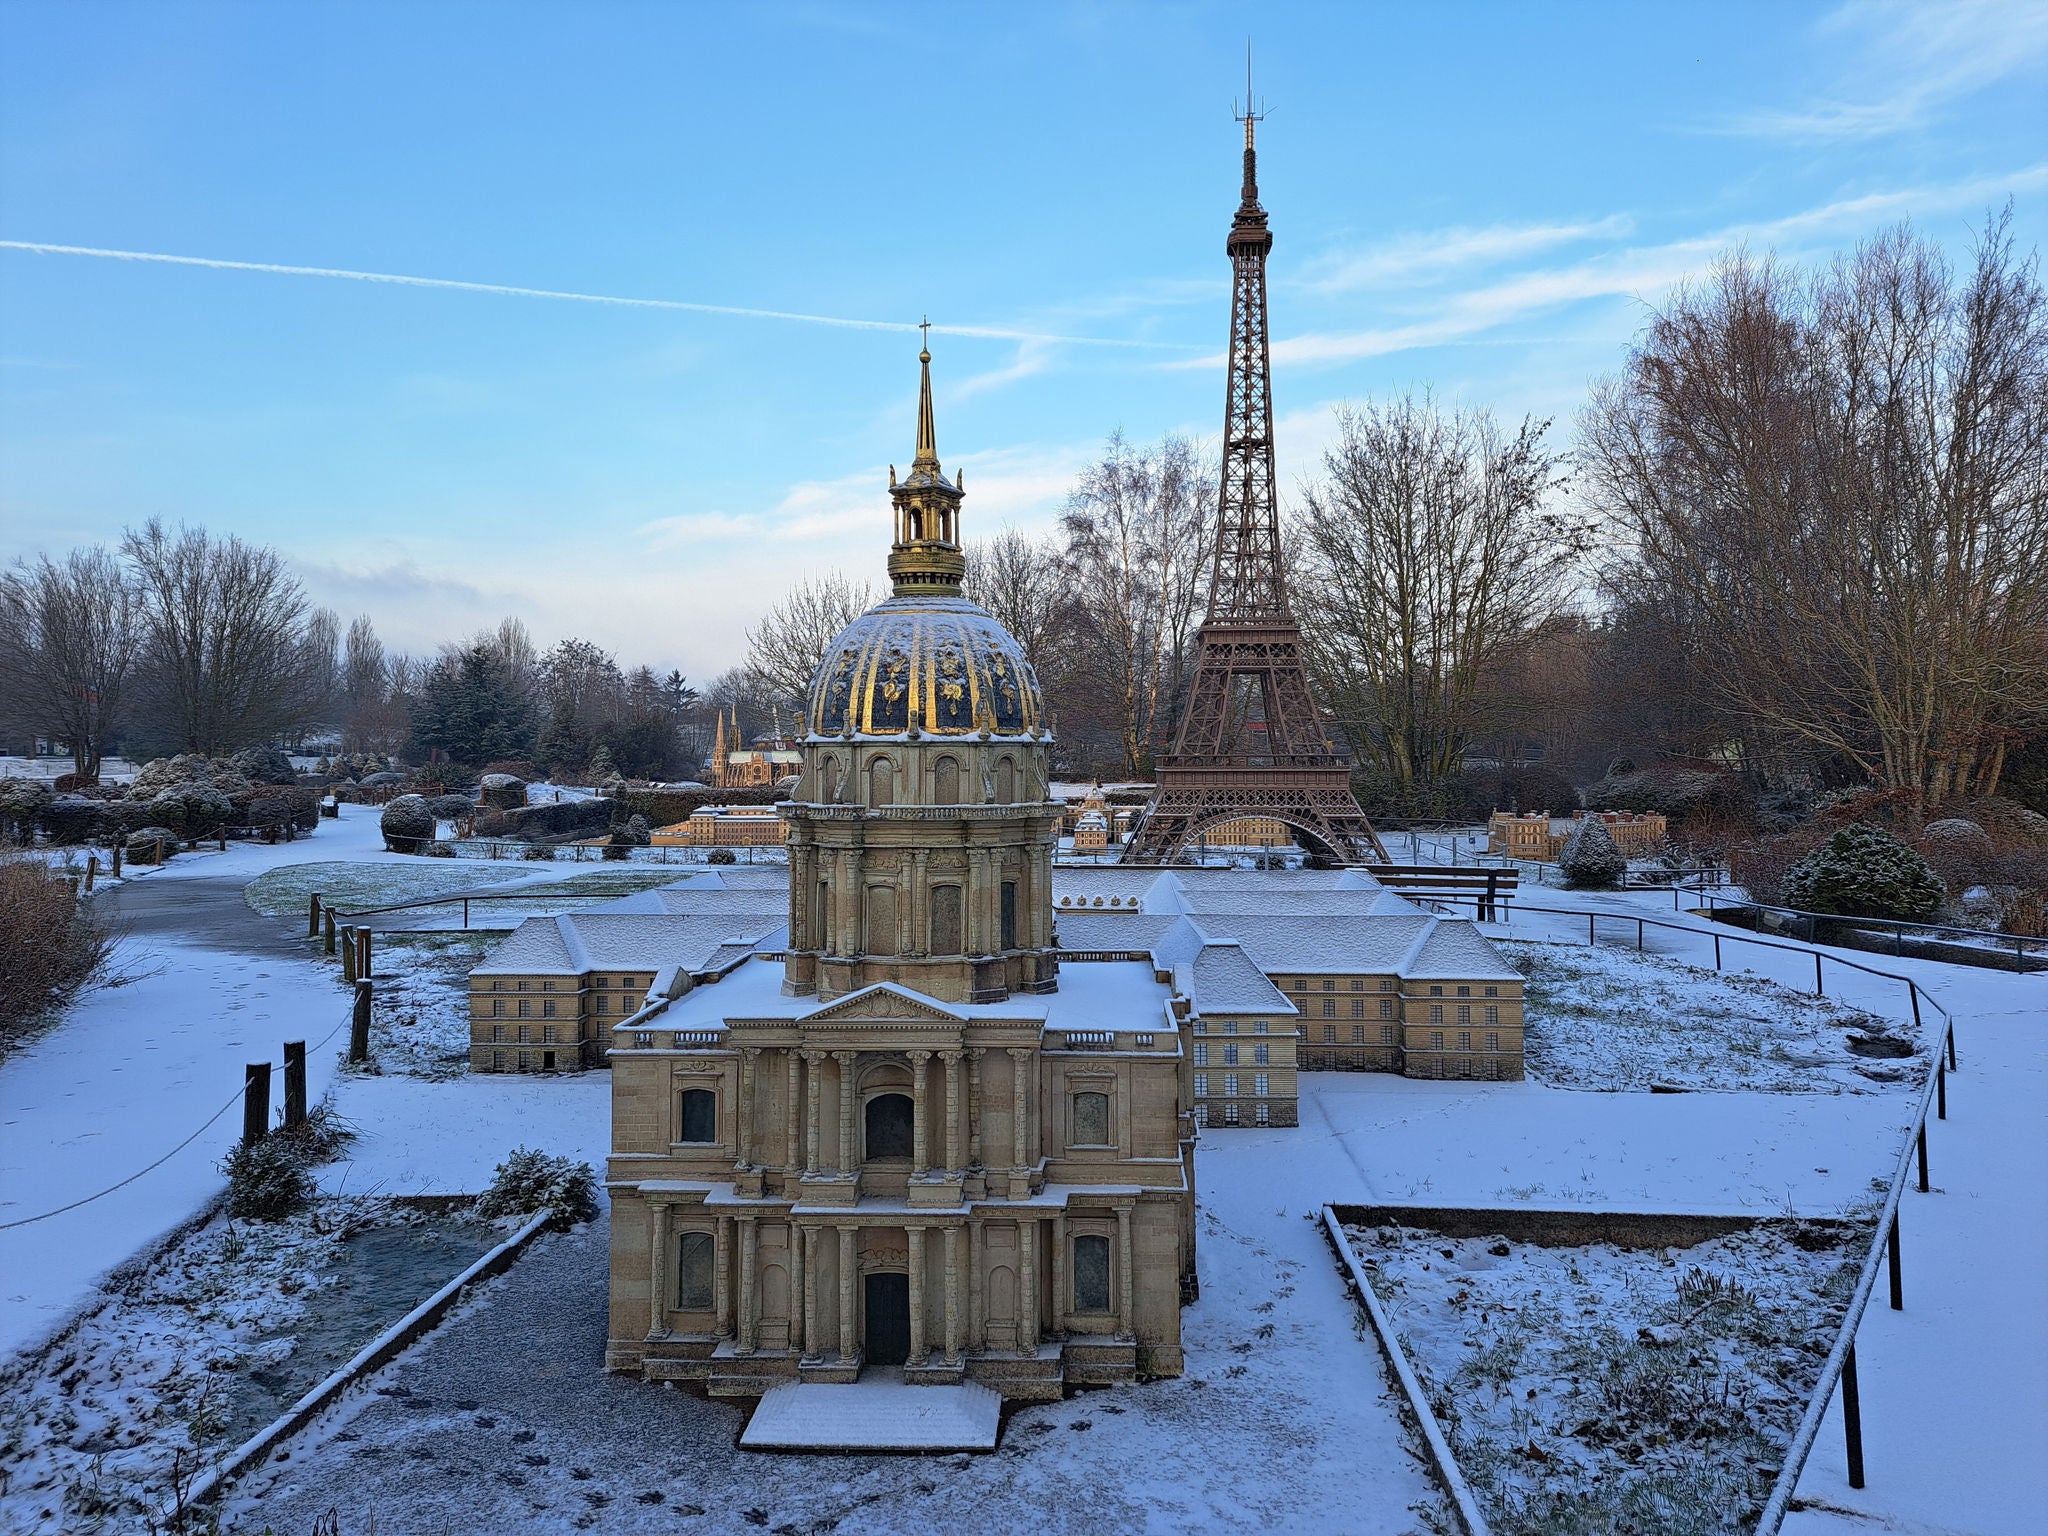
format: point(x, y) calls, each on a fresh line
point(1863, 871)
point(407, 824)
point(530, 1180)
point(539, 853)
point(1589, 860)
point(142, 838)
point(561, 818)
point(502, 792)
point(21, 802)
point(721, 856)
point(493, 824)
point(451, 807)
point(1959, 851)
point(666, 807)
point(160, 774)
point(264, 765)
point(267, 1179)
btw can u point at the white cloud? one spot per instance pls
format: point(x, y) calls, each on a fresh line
point(1906, 60)
point(1408, 257)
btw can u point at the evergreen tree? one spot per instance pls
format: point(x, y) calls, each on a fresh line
point(472, 709)
point(1589, 859)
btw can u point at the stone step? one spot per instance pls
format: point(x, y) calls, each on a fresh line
point(874, 1414)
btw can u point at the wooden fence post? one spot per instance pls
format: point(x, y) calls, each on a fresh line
point(294, 1084)
point(363, 953)
point(116, 851)
point(92, 869)
point(255, 1101)
point(313, 916)
point(359, 1025)
point(327, 918)
point(348, 954)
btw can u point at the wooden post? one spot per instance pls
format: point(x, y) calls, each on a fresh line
point(363, 952)
point(294, 1084)
point(116, 851)
point(313, 916)
point(1892, 1258)
point(1852, 1418)
point(92, 869)
point(255, 1101)
point(359, 1025)
point(348, 954)
point(327, 919)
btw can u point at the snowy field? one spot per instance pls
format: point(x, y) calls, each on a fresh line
point(1601, 1390)
point(1614, 1019)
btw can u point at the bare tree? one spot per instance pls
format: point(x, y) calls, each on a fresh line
point(1022, 582)
point(784, 649)
point(1432, 549)
point(1839, 483)
point(1138, 527)
point(68, 639)
point(225, 656)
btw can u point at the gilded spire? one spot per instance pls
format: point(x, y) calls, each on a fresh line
point(926, 556)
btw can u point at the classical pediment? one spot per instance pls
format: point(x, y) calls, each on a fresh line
point(885, 1000)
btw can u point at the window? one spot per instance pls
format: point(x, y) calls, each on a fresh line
point(1230, 1085)
point(1201, 1054)
point(699, 1115)
point(1258, 1026)
point(1358, 1007)
point(525, 1061)
point(604, 1004)
point(891, 1123)
point(1436, 1013)
point(1091, 1273)
point(1301, 983)
point(547, 1034)
point(1329, 985)
point(1464, 991)
point(1260, 1054)
point(523, 984)
point(1201, 1115)
point(1329, 1007)
point(1464, 1039)
point(1201, 1085)
point(1386, 1007)
point(1230, 1026)
point(1436, 1039)
point(597, 981)
point(1260, 1082)
point(1386, 1034)
point(945, 920)
point(547, 1061)
point(497, 1031)
point(1009, 914)
point(1329, 1034)
point(1436, 991)
point(547, 1009)
point(525, 1009)
point(497, 1007)
point(1493, 991)
point(1260, 1115)
point(946, 782)
point(1464, 1013)
point(497, 1061)
point(525, 1033)
point(695, 1258)
point(1493, 1013)
point(1201, 1026)
point(1492, 1041)
point(1230, 1114)
point(1358, 1034)
point(1358, 983)
point(1230, 1055)
point(547, 986)
point(881, 782)
point(1090, 1127)
point(1386, 983)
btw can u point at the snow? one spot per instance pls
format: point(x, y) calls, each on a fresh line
point(874, 1415)
point(420, 1136)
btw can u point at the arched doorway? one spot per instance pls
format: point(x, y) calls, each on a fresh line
point(890, 1126)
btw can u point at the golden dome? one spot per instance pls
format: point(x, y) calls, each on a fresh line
point(941, 665)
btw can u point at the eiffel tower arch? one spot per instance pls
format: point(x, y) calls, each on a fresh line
point(1251, 739)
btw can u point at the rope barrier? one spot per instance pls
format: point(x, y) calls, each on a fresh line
point(8, 1226)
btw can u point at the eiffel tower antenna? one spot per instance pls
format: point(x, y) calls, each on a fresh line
point(1251, 739)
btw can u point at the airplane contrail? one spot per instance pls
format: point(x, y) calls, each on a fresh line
point(987, 332)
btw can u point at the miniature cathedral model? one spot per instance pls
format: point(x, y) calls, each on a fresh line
point(910, 1140)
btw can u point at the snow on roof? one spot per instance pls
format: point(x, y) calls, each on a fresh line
point(576, 942)
point(1323, 944)
point(1454, 947)
point(1315, 902)
point(1227, 981)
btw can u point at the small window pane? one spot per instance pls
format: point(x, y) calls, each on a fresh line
point(1091, 1119)
point(700, 1115)
point(693, 1272)
point(1091, 1274)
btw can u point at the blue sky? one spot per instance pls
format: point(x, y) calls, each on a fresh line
point(1478, 198)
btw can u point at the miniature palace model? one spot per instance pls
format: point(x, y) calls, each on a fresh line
point(1251, 740)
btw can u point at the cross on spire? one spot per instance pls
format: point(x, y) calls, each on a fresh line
point(925, 325)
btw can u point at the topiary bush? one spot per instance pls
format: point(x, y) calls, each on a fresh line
point(451, 807)
point(1958, 850)
point(21, 802)
point(530, 1180)
point(502, 791)
point(264, 765)
point(1863, 871)
point(1589, 860)
point(721, 856)
point(407, 823)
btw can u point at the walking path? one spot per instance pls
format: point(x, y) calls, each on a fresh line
point(1955, 1387)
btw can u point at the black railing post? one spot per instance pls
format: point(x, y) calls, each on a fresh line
point(1940, 1089)
point(255, 1101)
point(1852, 1417)
point(1591, 919)
point(294, 1084)
point(1818, 990)
point(1921, 1143)
point(1639, 935)
point(1892, 1257)
point(1951, 1046)
point(1717, 951)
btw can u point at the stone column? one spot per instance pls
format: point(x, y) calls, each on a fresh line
point(1027, 1289)
point(721, 1286)
point(1060, 1289)
point(847, 1163)
point(977, 1337)
point(974, 1055)
point(812, 1113)
point(1124, 1330)
point(954, 1318)
point(918, 1351)
point(1019, 1055)
point(749, 1075)
point(795, 1239)
point(750, 1310)
point(920, 1114)
point(955, 1111)
point(657, 1295)
point(807, 1292)
point(792, 1111)
point(917, 900)
point(846, 1277)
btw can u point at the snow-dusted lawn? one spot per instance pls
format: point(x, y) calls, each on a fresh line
point(349, 886)
point(1600, 1390)
point(228, 1328)
point(419, 1013)
point(1614, 1019)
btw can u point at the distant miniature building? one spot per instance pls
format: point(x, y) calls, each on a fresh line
point(1536, 836)
point(1091, 823)
point(724, 826)
point(735, 765)
point(1251, 832)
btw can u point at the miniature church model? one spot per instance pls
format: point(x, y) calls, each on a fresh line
point(909, 1141)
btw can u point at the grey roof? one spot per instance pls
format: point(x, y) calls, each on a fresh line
point(1379, 945)
point(1455, 948)
point(1227, 981)
point(588, 941)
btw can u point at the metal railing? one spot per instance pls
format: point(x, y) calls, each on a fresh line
point(1974, 938)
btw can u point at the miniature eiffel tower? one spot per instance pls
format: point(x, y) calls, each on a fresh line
point(1251, 741)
